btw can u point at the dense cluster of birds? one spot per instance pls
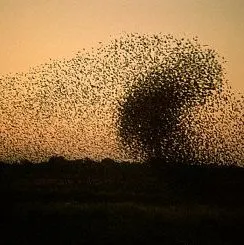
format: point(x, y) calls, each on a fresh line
point(137, 97)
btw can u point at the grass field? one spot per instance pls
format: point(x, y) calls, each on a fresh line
point(84, 202)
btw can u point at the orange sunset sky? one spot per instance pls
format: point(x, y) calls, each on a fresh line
point(31, 32)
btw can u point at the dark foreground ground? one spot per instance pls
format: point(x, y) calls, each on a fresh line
point(84, 202)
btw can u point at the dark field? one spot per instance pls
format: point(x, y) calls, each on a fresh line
point(84, 202)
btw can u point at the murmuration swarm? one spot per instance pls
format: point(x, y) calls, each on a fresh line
point(158, 117)
point(136, 97)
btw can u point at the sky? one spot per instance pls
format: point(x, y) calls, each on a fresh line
point(32, 32)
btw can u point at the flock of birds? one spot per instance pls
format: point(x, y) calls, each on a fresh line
point(76, 107)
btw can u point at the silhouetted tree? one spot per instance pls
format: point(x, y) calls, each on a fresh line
point(57, 160)
point(151, 113)
point(26, 162)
